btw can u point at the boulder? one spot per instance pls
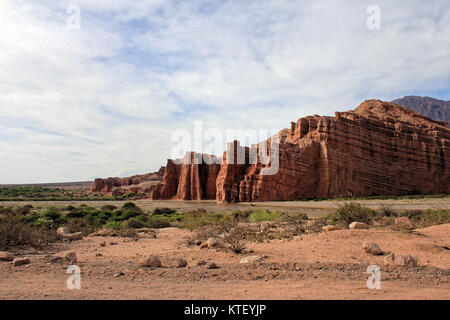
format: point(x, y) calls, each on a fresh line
point(404, 223)
point(21, 261)
point(330, 228)
point(71, 256)
point(211, 265)
point(6, 256)
point(403, 260)
point(151, 261)
point(181, 263)
point(64, 233)
point(202, 262)
point(251, 259)
point(210, 243)
point(372, 248)
point(358, 225)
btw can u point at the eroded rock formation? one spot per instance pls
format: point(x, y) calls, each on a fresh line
point(137, 184)
point(379, 148)
point(191, 178)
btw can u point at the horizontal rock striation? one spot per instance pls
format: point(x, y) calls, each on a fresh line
point(379, 148)
point(137, 184)
point(191, 178)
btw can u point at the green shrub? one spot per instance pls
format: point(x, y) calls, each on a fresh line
point(113, 225)
point(44, 222)
point(350, 212)
point(163, 211)
point(130, 205)
point(108, 207)
point(135, 224)
point(158, 224)
point(15, 232)
point(263, 215)
point(30, 217)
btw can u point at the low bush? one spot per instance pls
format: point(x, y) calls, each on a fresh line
point(163, 211)
point(14, 231)
point(263, 215)
point(350, 212)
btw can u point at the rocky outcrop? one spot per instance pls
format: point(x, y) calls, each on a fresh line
point(190, 178)
point(379, 148)
point(138, 184)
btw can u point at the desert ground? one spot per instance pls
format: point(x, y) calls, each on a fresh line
point(326, 265)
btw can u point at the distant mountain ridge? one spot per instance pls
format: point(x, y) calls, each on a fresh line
point(432, 108)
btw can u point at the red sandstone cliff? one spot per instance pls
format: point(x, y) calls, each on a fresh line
point(136, 184)
point(191, 178)
point(379, 148)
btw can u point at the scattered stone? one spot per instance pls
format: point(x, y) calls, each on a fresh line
point(71, 256)
point(181, 263)
point(120, 274)
point(112, 243)
point(103, 244)
point(372, 248)
point(6, 256)
point(211, 265)
point(251, 259)
point(330, 228)
point(151, 261)
point(20, 261)
point(64, 233)
point(358, 225)
point(404, 260)
point(210, 243)
point(98, 255)
point(201, 263)
point(404, 223)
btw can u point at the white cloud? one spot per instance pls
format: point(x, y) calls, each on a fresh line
point(103, 100)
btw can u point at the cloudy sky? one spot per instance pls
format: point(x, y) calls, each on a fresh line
point(104, 99)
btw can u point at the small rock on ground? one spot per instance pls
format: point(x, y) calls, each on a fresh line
point(372, 248)
point(20, 261)
point(151, 261)
point(358, 225)
point(251, 259)
point(403, 260)
point(6, 256)
point(211, 265)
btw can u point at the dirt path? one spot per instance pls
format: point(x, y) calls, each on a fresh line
point(321, 266)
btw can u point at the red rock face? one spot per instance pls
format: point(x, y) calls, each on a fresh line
point(136, 184)
point(379, 148)
point(192, 178)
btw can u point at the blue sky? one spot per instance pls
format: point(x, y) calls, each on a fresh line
point(104, 100)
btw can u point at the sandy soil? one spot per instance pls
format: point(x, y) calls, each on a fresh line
point(320, 266)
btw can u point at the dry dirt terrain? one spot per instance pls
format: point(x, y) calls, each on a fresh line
point(318, 266)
